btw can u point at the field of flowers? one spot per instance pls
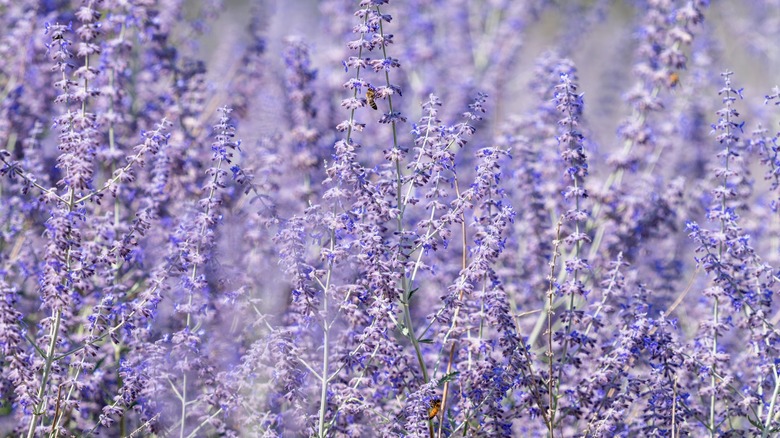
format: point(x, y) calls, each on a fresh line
point(374, 218)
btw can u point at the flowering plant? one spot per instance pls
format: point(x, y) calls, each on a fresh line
point(423, 219)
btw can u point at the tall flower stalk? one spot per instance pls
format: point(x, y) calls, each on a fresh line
point(571, 143)
point(77, 146)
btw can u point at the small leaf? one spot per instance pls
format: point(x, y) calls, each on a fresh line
point(448, 377)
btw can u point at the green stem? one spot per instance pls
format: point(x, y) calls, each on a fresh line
point(550, 417)
point(405, 283)
point(771, 412)
point(53, 334)
point(713, 380)
point(183, 404)
point(193, 275)
point(325, 342)
point(55, 328)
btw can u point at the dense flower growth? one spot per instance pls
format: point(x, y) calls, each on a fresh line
point(433, 219)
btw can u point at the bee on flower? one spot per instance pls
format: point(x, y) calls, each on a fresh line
point(433, 411)
point(371, 96)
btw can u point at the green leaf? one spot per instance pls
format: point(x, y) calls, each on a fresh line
point(448, 377)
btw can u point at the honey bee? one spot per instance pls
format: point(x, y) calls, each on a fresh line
point(673, 79)
point(434, 409)
point(370, 96)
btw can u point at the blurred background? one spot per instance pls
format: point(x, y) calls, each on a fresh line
point(599, 36)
